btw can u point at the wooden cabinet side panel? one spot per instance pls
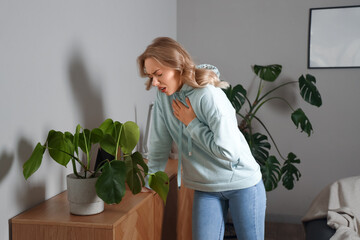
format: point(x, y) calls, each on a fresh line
point(158, 217)
point(58, 232)
point(138, 225)
point(184, 213)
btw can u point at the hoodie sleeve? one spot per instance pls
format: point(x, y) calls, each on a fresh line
point(160, 141)
point(217, 132)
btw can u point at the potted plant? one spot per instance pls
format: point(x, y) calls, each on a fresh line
point(273, 171)
point(112, 175)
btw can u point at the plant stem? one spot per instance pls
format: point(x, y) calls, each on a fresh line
point(267, 100)
point(74, 168)
point(274, 89)
point(272, 139)
point(72, 156)
point(118, 142)
point(87, 153)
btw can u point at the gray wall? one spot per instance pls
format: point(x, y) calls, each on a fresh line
point(63, 63)
point(234, 35)
point(67, 62)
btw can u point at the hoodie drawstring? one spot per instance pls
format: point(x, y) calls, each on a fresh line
point(189, 142)
point(181, 97)
point(179, 155)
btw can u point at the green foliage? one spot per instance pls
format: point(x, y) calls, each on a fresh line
point(299, 118)
point(308, 90)
point(290, 171)
point(117, 139)
point(237, 96)
point(272, 170)
point(110, 186)
point(34, 162)
point(271, 173)
point(160, 183)
point(268, 73)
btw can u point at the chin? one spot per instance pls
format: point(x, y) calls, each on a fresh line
point(170, 93)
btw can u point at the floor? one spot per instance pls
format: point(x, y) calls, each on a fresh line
point(284, 231)
point(273, 231)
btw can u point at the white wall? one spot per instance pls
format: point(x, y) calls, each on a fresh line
point(63, 63)
point(234, 35)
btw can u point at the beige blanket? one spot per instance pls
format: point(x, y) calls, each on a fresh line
point(340, 204)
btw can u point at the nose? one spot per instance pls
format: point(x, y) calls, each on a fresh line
point(155, 81)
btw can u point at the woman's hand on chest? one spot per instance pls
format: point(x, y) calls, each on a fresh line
point(183, 113)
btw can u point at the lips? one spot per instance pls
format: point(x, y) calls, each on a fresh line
point(162, 89)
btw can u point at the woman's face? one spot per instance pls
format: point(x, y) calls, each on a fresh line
point(166, 79)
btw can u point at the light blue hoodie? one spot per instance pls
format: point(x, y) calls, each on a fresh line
point(212, 151)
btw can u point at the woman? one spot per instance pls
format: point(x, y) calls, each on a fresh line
point(191, 110)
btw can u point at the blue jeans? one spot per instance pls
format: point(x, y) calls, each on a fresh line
point(246, 206)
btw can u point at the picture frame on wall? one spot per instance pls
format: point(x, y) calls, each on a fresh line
point(334, 37)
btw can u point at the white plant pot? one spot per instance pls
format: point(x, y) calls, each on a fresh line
point(82, 196)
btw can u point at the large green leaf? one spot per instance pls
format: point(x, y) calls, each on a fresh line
point(130, 135)
point(259, 146)
point(299, 118)
point(108, 144)
point(159, 182)
point(60, 147)
point(308, 90)
point(271, 173)
point(236, 95)
point(268, 73)
point(290, 172)
point(107, 126)
point(96, 135)
point(70, 137)
point(135, 175)
point(110, 186)
point(34, 162)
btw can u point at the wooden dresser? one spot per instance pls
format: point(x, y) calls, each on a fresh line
point(137, 217)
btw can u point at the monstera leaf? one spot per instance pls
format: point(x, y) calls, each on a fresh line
point(117, 135)
point(110, 186)
point(308, 90)
point(60, 147)
point(134, 175)
point(299, 118)
point(108, 144)
point(89, 137)
point(159, 181)
point(130, 135)
point(268, 73)
point(290, 171)
point(236, 95)
point(107, 127)
point(259, 146)
point(271, 173)
point(34, 162)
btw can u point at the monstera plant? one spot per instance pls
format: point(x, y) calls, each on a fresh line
point(117, 139)
point(272, 169)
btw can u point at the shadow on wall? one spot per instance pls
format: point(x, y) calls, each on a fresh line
point(87, 96)
point(88, 102)
point(290, 93)
point(33, 193)
point(6, 160)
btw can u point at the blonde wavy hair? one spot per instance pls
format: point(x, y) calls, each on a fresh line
point(170, 53)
